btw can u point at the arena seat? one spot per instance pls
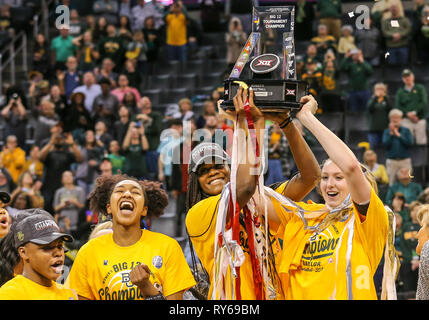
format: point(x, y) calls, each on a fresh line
point(163, 81)
point(333, 120)
point(356, 128)
point(153, 94)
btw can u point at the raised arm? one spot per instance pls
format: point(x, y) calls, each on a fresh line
point(337, 150)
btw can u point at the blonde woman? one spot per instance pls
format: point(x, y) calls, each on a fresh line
point(422, 250)
point(331, 250)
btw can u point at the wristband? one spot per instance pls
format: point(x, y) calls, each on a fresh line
point(159, 296)
point(285, 122)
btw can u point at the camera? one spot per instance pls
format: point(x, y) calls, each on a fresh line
point(138, 124)
point(15, 96)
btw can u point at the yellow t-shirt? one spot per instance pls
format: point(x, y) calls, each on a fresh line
point(176, 29)
point(201, 226)
point(21, 288)
point(14, 162)
point(307, 266)
point(101, 269)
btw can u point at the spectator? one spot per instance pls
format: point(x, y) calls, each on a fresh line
point(130, 102)
point(410, 260)
point(116, 159)
point(304, 17)
point(87, 54)
point(141, 11)
point(176, 41)
point(210, 15)
point(110, 46)
point(135, 77)
point(6, 181)
point(78, 118)
point(137, 50)
point(100, 30)
point(152, 122)
point(397, 140)
point(358, 72)
point(412, 100)
point(13, 157)
point(312, 76)
point(59, 101)
point(396, 37)
point(347, 40)
point(381, 10)
point(68, 201)
point(46, 119)
point(185, 108)
point(170, 138)
point(15, 115)
point(41, 55)
point(62, 47)
point(108, 9)
point(57, 156)
point(106, 169)
point(410, 190)
point(102, 136)
point(70, 79)
point(33, 163)
point(124, 29)
point(76, 26)
point(235, 40)
point(86, 171)
point(329, 12)
point(31, 186)
point(90, 89)
point(398, 206)
point(106, 71)
point(277, 150)
point(20, 201)
point(134, 149)
point(209, 107)
point(377, 169)
point(123, 88)
point(421, 36)
point(311, 53)
point(106, 104)
point(377, 113)
point(120, 127)
point(324, 41)
point(330, 97)
point(125, 8)
point(369, 41)
point(153, 39)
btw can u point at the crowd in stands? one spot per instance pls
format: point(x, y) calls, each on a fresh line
point(86, 100)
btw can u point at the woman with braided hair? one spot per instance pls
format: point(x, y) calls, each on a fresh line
point(130, 263)
point(332, 250)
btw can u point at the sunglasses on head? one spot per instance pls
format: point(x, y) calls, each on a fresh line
point(201, 171)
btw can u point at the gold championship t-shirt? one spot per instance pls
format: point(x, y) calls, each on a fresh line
point(201, 225)
point(21, 288)
point(102, 269)
point(308, 263)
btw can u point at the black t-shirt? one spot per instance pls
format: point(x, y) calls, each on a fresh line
point(56, 162)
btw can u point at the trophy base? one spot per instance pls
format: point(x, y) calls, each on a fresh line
point(269, 94)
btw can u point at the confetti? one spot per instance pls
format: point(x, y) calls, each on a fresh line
point(386, 55)
point(351, 14)
point(394, 23)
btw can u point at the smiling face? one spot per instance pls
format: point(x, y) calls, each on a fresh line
point(212, 177)
point(43, 263)
point(333, 185)
point(127, 203)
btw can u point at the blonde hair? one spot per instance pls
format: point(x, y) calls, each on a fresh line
point(423, 215)
point(100, 227)
point(380, 85)
point(340, 215)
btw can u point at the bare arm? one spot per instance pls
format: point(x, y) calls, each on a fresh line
point(338, 152)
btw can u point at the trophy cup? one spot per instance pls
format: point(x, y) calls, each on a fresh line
point(267, 62)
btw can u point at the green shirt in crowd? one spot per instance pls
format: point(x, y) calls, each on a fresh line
point(415, 99)
point(358, 74)
point(377, 114)
point(329, 8)
point(63, 48)
point(117, 163)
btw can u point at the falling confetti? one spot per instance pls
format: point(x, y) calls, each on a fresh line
point(351, 14)
point(386, 55)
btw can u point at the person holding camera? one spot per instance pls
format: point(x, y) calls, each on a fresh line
point(235, 40)
point(134, 148)
point(15, 115)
